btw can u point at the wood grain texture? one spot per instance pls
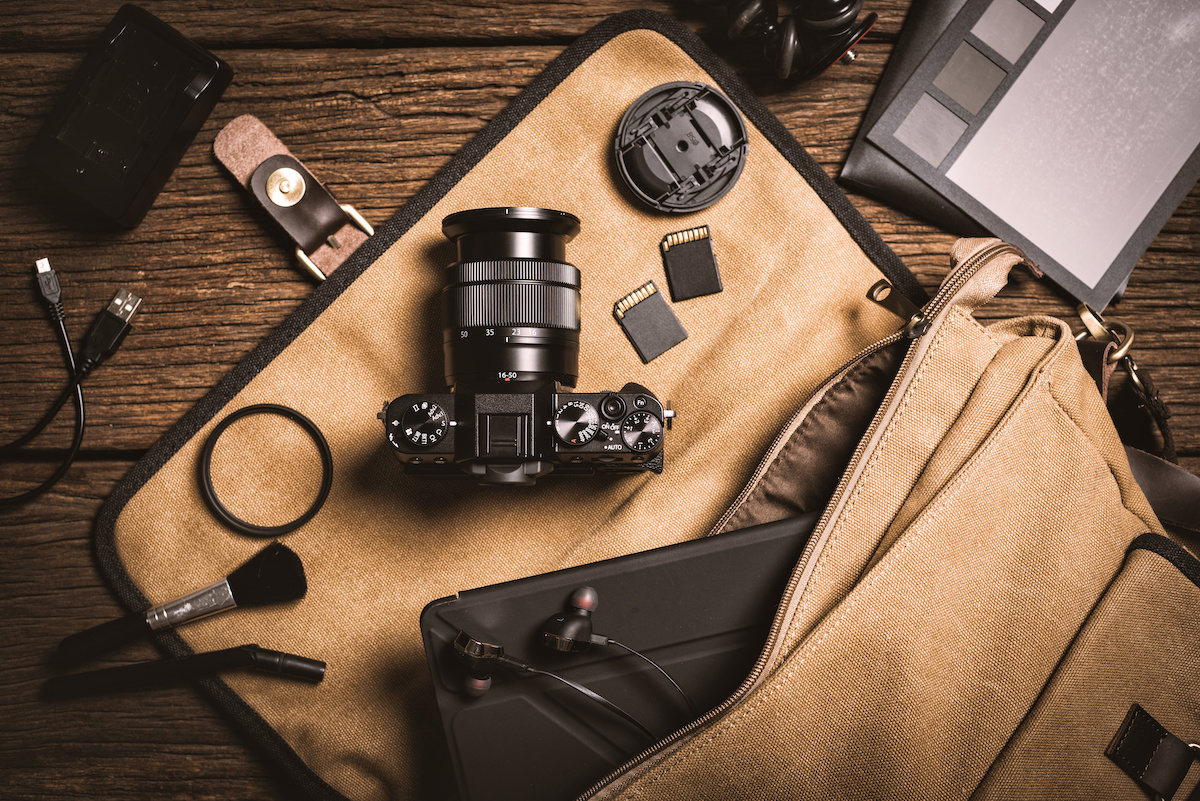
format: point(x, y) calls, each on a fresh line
point(33, 25)
point(375, 98)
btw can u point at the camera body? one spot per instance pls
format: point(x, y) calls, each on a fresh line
point(514, 438)
point(511, 320)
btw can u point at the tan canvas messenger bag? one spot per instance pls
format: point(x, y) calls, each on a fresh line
point(986, 598)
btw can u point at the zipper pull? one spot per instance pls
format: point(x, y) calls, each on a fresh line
point(916, 325)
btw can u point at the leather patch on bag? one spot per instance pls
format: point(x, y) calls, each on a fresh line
point(1156, 759)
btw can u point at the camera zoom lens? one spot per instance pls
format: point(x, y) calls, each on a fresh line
point(511, 302)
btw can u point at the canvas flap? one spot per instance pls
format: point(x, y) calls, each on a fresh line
point(989, 511)
point(795, 260)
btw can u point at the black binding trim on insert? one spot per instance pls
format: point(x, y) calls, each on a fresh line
point(295, 770)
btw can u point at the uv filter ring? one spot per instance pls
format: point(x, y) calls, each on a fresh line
point(232, 521)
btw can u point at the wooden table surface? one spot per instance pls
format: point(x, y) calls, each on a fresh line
point(374, 99)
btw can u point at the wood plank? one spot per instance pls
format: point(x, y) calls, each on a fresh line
point(39, 25)
point(57, 24)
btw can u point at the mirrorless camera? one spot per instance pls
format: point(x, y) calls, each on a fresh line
point(510, 312)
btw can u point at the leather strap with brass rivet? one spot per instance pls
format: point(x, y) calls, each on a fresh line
point(325, 232)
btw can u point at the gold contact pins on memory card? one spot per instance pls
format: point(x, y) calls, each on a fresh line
point(690, 263)
point(680, 237)
point(633, 298)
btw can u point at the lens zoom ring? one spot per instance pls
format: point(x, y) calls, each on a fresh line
point(473, 272)
point(502, 305)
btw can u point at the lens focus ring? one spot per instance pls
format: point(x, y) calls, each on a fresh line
point(512, 294)
point(474, 272)
point(510, 307)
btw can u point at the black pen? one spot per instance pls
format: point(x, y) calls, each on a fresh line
point(142, 674)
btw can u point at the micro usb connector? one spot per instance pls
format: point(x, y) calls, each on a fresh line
point(49, 287)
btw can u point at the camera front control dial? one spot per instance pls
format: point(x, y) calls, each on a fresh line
point(642, 431)
point(424, 424)
point(576, 422)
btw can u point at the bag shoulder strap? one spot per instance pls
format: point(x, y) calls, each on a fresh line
point(1173, 492)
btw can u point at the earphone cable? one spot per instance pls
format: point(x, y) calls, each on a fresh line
point(593, 695)
point(659, 668)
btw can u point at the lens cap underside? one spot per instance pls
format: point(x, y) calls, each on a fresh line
point(681, 147)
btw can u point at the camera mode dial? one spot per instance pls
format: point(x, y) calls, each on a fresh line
point(424, 424)
point(641, 431)
point(576, 422)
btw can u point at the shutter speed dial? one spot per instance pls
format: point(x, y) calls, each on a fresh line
point(576, 422)
point(641, 431)
point(424, 424)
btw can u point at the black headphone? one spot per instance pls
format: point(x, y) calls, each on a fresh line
point(481, 658)
point(572, 632)
point(817, 34)
point(569, 632)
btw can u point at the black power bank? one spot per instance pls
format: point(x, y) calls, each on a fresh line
point(701, 609)
point(128, 116)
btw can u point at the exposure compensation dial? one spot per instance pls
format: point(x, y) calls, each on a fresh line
point(641, 431)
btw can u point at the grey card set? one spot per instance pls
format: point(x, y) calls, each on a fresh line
point(1068, 127)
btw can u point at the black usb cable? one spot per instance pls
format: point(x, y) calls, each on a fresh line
point(104, 337)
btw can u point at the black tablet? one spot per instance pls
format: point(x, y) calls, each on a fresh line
point(700, 609)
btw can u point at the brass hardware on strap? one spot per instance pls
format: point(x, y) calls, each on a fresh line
point(1106, 331)
point(285, 187)
point(358, 219)
point(1130, 367)
point(1111, 331)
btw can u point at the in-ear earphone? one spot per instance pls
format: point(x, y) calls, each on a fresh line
point(569, 632)
point(817, 34)
point(572, 632)
point(481, 658)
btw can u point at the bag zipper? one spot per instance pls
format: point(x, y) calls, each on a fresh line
point(918, 323)
point(789, 428)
